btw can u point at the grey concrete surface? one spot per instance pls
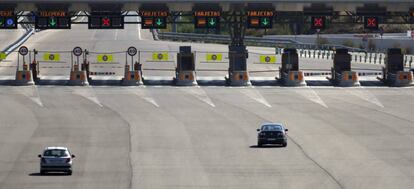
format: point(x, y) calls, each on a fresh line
point(9, 36)
point(191, 137)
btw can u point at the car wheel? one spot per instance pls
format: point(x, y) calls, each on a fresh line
point(42, 172)
point(69, 172)
point(284, 144)
point(259, 144)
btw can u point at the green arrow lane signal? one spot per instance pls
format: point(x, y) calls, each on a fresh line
point(159, 22)
point(53, 22)
point(265, 21)
point(212, 21)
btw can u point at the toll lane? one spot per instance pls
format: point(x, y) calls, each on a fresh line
point(102, 150)
point(338, 138)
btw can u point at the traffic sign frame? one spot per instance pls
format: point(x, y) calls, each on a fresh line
point(100, 19)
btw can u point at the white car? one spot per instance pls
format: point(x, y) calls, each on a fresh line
point(56, 159)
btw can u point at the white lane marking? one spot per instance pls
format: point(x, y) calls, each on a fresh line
point(141, 93)
point(311, 95)
point(365, 95)
point(116, 34)
point(152, 101)
point(88, 93)
point(254, 94)
point(199, 93)
point(139, 28)
point(35, 97)
point(30, 92)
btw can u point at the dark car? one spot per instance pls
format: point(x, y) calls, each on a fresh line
point(272, 133)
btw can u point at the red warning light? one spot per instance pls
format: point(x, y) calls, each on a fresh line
point(318, 22)
point(106, 22)
point(371, 23)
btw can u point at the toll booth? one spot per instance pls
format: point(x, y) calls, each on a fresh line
point(238, 75)
point(185, 71)
point(289, 73)
point(24, 75)
point(133, 70)
point(78, 75)
point(393, 72)
point(342, 74)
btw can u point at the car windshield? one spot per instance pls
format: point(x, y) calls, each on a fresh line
point(56, 153)
point(271, 128)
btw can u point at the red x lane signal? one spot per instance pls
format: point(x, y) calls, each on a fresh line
point(371, 22)
point(106, 22)
point(318, 22)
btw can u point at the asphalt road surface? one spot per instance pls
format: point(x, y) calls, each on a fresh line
point(163, 137)
point(191, 137)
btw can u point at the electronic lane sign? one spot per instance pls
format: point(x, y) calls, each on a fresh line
point(106, 20)
point(371, 22)
point(318, 22)
point(153, 19)
point(8, 20)
point(52, 20)
point(260, 19)
point(207, 19)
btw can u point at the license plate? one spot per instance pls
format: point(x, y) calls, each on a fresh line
point(271, 139)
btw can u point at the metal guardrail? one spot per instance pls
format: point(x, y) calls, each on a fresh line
point(254, 41)
point(220, 38)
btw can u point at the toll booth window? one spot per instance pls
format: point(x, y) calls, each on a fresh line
point(290, 61)
point(187, 63)
point(342, 62)
point(395, 63)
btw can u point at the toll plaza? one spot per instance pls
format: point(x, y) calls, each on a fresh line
point(185, 74)
point(289, 73)
point(342, 75)
point(393, 72)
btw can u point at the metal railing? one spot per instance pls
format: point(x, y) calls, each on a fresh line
point(254, 41)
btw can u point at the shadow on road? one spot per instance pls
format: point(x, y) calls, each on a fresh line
point(47, 174)
point(267, 146)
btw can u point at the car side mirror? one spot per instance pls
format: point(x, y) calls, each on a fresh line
point(39, 156)
point(257, 130)
point(73, 156)
point(286, 130)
